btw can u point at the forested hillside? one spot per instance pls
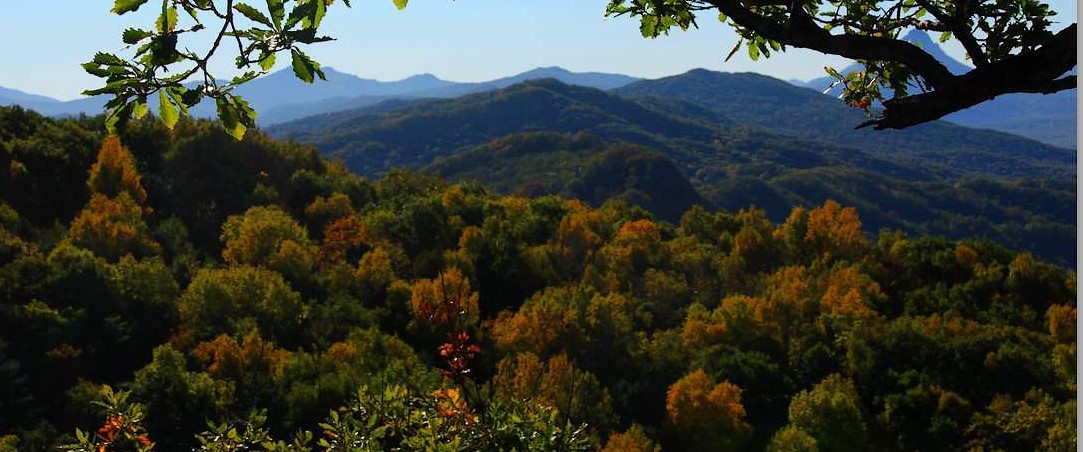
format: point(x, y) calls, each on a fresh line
point(740, 141)
point(224, 295)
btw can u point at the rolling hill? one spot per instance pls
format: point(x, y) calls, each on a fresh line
point(578, 166)
point(804, 114)
point(1019, 192)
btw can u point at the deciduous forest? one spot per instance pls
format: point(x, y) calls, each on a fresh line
point(187, 291)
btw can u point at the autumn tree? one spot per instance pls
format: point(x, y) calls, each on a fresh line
point(706, 416)
point(557, 383)
point(323, 210)
point(112, 225)
point(114, 172)
point(250, 364)
point(833, 230)
point(632, 440)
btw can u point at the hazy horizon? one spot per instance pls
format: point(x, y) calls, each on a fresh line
point(463, 41)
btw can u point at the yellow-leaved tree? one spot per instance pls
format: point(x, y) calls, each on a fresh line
point(706, 416)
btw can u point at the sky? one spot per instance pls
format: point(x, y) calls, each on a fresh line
point(42, 42)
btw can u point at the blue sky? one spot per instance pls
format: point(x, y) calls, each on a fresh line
point(42, 43)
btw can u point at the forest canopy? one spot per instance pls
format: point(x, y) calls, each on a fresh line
point(203, 292)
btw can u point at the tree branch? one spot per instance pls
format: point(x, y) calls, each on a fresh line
point(958, 28)
point(1036, 71)
point(802, 31)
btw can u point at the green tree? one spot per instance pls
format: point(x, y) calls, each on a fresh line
point(236, 300)
point(831, 414)
point(269, 237)
point(792, 439)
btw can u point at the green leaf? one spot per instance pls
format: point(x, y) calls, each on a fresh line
point(134, 35)
point(753, 51)
point(167, 21)
point(317, 14)
point(303, 66)
point(400, 4)
point(267, 62)
point(119, 116)
point(176, 94)
point(95, 70)
point(126, 6)
point(735, 48)
point(108, 59)
point(139, 108)
point(227, 112)
point(300, 69)
point(163, 50)
point(253, 14)
point(278, 11)
point(244, 78)
point(307, 36)
point(297, 13)
point(166, 110)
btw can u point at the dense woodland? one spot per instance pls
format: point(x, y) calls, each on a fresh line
point(186, 291)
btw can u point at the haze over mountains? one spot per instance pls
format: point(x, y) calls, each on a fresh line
point(281, 97)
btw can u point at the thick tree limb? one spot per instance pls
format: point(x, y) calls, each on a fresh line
point(957, 26)
point(1037, 71)
point(802, 31)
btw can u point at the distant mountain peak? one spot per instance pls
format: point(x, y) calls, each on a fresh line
point(426, 77)
point(932, 47)
point(547, 71)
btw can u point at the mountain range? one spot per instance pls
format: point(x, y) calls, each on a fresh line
point(737, 139)
point(280, 97)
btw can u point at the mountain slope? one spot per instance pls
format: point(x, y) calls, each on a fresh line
point(10, 96)
point(1050, 118)
point(576, 166)
point(703, 146)
point(801, 113)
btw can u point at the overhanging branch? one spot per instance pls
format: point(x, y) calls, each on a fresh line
point(802, 31)
point(1037, 71)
